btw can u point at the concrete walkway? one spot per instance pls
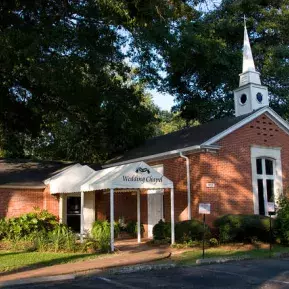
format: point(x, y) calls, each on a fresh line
point(128, 253)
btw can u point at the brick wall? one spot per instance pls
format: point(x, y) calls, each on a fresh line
point(229, 169)
point(15, 202)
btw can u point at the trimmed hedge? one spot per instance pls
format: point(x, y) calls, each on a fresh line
point(191, 230)
point(162, 231)
point(243, 228)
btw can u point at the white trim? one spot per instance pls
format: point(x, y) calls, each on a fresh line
point(65, 170)
point(269, 112)
point(172, 217)
point(164, 154)
point(138, 217)
point(273, 153)
point(112, 220)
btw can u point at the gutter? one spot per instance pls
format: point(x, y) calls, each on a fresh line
point(166, 154)
point(188, 184)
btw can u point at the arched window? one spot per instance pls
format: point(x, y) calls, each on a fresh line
point(266, 175)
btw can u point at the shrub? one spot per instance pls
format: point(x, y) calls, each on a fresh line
point(281, 224)
point(27, 225)
point(243, 228)
point(101, 233)
point(213, 242)
point(131, 228)
point(191, 230)
point(162, 231)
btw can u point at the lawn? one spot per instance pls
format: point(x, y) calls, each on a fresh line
point(11, 261)
point(189, 257)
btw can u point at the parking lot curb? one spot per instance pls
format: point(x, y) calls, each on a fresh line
point(221, 260)
point(45, 279)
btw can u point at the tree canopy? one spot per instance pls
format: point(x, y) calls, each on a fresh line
point(203, 65)
point(74, 73)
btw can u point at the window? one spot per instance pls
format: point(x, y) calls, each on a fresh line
point(265, 183)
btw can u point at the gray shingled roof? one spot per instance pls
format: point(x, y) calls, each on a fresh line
point(28, 173)
point(191, 136)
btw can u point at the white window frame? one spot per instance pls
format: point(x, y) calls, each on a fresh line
point(273, 153)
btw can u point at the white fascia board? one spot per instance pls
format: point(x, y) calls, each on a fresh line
point(282, 123)
point(237, 126)
point(47, 181)
point(167, 154)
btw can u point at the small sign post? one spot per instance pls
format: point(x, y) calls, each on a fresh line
point(270, 209)
point(205, 209)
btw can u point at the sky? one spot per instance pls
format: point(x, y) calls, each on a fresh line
point(163, 100)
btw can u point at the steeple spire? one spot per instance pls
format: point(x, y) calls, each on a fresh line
point(248, 61)
point(250, 95)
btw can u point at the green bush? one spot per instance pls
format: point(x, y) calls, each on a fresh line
point(131, 228)
point(27, 225)
point(101, 233)
point(243, 228)
point(213, 242)
point(281, 224)
point(61, 239)
point(162, 231)
point(191, 230)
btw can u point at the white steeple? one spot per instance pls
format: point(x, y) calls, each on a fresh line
point(248, 61)
point(250, 95)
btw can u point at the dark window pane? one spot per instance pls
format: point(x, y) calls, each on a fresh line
point(270, 190)
point(269, 167)
point(73, 222)
point(73, 205)
point(259, 166)
point(261, 197)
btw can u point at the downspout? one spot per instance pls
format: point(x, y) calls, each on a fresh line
point(188, 184)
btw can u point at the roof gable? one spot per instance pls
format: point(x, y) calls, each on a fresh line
point(193, 137)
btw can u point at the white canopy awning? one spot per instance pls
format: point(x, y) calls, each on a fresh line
point(131, 176)
point(69, 180)
point(79, 178)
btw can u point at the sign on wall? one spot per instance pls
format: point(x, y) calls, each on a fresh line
point(205, 208)
point(210, 185)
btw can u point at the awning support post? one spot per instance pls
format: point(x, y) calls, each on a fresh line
point(138, 217)
point(172, 217)
point(112, 220)
point(81, 216)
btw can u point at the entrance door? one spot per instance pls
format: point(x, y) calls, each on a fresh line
point(155, 205)
point(155, 210)
point(73, 213)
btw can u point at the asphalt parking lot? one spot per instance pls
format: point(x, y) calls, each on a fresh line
point(272, 273)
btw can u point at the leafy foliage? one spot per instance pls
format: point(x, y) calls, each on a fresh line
point(101, 233)
point(281, 227)
point(191, 230)
point(185, 231)
point(162, 231)
point(27, 225)
point(203, 64)
point(66, 90)
point(243, 228)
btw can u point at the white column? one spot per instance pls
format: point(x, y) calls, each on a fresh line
point(60, 208)
point(81, 216)
point(111, 220)
point(172, 217)
point(138, 217)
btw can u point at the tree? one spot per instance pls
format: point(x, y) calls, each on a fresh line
point(66, 91)
point(203, 65)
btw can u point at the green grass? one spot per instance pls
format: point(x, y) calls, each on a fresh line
point(190, 257)
point(11, 261)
